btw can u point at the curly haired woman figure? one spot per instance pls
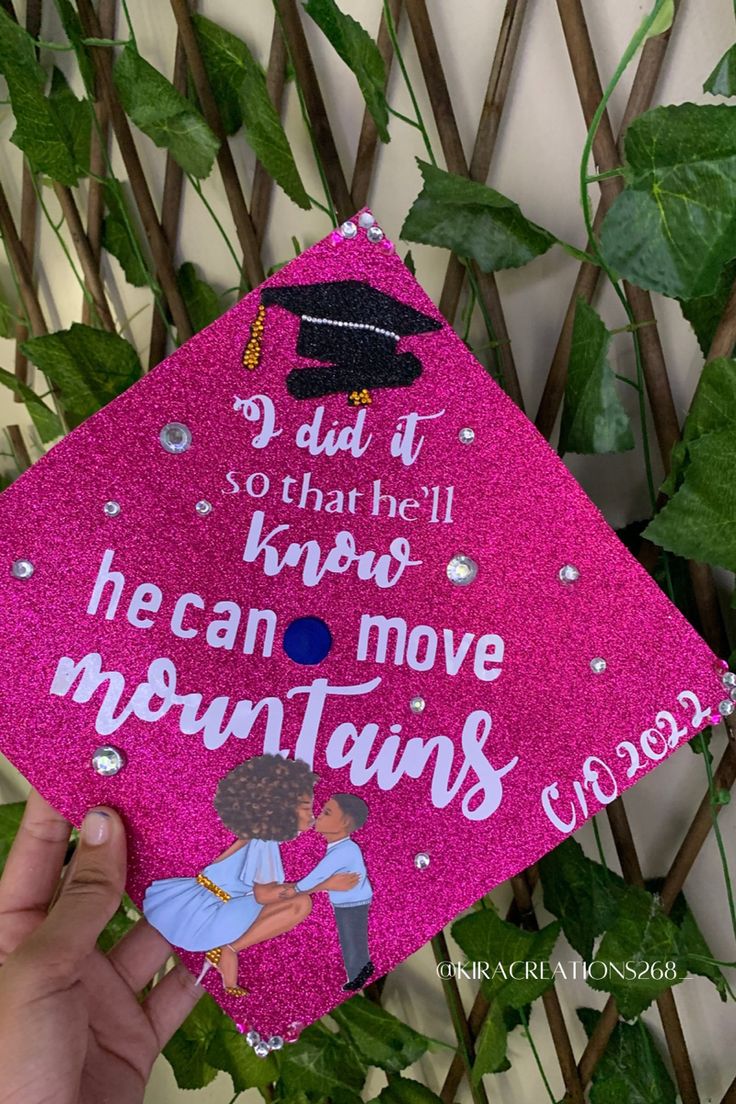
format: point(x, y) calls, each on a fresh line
point(264, 801)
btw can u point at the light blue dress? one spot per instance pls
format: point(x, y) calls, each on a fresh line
point(192, 917)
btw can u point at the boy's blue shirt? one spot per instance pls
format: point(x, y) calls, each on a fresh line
point(343, 856)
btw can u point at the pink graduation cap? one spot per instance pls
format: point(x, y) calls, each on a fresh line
point(321, 613)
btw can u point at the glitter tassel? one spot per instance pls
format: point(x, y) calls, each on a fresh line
point(252, 354)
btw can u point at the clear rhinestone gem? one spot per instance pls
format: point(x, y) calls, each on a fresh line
point(461, 570)
point(728, 678)
point(275, 1042)
point(374, 234)
point(732, 694)
point(417, 705)
point(22, 569)
point(726, 707)
point(598, 665)
point(366, 219)
point(348, 229)
point(111, 509)
point(108, 761)
point(421, 861)
point(466, 436)
point(175, 437)
point(252, 1038)
point(261, 1050)
point(203, 507)
point(568, 573)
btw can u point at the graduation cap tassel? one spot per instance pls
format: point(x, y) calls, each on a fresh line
point(252, 354)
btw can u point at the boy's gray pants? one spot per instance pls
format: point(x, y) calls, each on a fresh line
point(352, 928)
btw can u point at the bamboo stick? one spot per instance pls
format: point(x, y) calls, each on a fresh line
point(306, 76)
point(252, 267)
point(106, 13)
point(170, 212)
point(262, 191)
point(163, 259)
point(449, 134)
point(368, 141)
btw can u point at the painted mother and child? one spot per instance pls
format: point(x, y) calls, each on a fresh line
point(242, 898)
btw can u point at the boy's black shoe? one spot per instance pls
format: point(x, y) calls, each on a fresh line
point(360, 980)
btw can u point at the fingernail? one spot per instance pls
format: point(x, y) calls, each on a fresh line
point(96, 827)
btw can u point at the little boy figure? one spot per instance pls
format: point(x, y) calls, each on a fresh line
point(342, 815)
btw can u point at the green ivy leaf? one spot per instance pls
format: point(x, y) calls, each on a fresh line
point(43, 417)
point(712, 409)
point(10, 818)
point(693, 942)
point(225, 57)
point(491, 1044)
point(593, 418)
point(640, 943)
point(380, 1039)
point(324, 1063)
point(187, 1049)
point(42, 122)
point(672, 228)
point(486, 938)
point(705, 312)
point(722, 81)
point(699, 521)
point(630, 1068)
point(8, 319)
point(73, 30)
point(89, 367)
point(75, 116)
point(359, 52)
point(209, 1041)
point(581, 893)
point(473, 221)
point(169, 120)
point(116, 235)
point(202, 301)
point(404, 1090)
point(663, 20)
point(239, 86)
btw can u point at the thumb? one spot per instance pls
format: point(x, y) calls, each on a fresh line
point(90, 893)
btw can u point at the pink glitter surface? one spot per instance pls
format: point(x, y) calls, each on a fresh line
point(578, 736)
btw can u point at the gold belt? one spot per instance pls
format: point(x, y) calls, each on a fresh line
point(203, 880)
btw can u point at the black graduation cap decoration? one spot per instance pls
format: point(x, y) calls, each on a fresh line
point(353, 330)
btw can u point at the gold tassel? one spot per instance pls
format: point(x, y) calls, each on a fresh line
point(360, 398)
point(252, 354)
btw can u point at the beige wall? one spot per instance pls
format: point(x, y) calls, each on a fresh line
point(536, 163)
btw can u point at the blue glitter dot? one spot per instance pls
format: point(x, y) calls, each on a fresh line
point(307, 640)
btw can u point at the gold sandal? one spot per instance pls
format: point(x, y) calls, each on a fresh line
point(213, 958)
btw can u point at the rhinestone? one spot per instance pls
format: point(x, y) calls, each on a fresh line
point(252, 1038)
point(461, 570)
point(275, 1042)
point(374, 234)
point(417, 705)
point(261, 1050)
point(598, 665)
point(108, 761)
point(726, 707)
point(421, 861)
point(732, 694)
point(728, 678)
point(366, 219)
point(111, 509)
point(348, 229)
point(568, 574)
point(175, 437)
point(203, 507)
point(466, 436)
point(22, 569)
